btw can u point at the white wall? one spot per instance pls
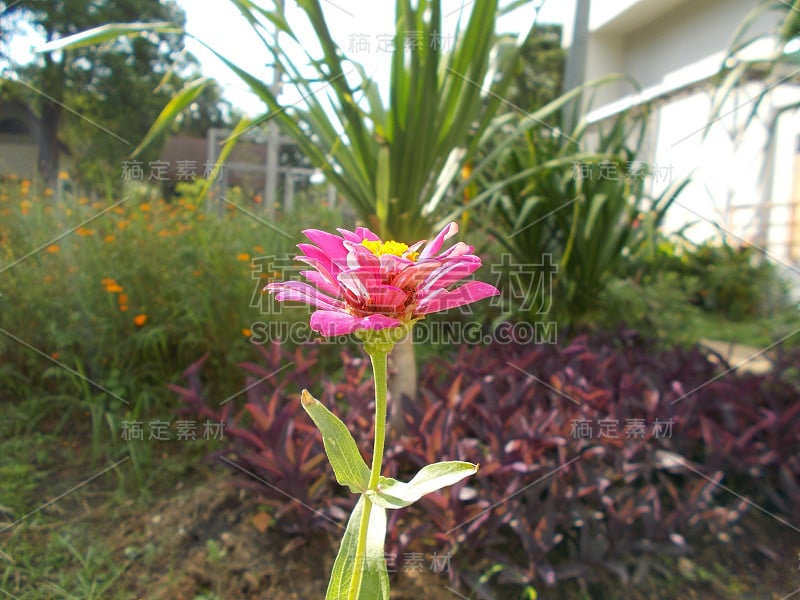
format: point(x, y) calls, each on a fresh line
point(667, 43)
point(738, 166)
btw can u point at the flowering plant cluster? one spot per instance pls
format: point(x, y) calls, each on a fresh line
point(377, 290)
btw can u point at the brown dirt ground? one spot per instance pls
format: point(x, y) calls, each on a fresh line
point(248, 564)
point(760, 560)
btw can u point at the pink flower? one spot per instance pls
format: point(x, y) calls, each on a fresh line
point(360, 282)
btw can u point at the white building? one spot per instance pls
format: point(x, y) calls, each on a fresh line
point(745, 168)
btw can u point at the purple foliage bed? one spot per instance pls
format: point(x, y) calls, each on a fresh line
point(602, 453)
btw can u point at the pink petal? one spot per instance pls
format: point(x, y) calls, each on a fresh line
point(442, 299)
point(456, 250)
point(366, 289)
point(355, 282)
point(391, 264)
point(415, 246)
point(435, 244)
point(366, 234)
point(329, 322)
point(413, 275)
point(322, 282)
point(322, 269)
point(386, 298)
point(360, 256)
point(322, 260)
point(450, 272)
point(360, 234)
point(302, 292)
point(331, 245)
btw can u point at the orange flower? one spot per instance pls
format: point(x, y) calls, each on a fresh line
point(122, 299)
point(243, 256)
point(55, 355)
point(144, 206)
point(48, 191)
point(108, 239)
point(111, 286)
point(246, 332)
point(259, 249)
point(84, 231)
point(53, 249)
point(63, 175)
point(48, 278)
point(123, 308)
point(140, 320)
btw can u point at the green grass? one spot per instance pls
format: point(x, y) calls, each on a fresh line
point(130, 299)
point(664, 311)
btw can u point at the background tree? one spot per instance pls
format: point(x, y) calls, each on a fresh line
point(539, 77)
point(118, 87)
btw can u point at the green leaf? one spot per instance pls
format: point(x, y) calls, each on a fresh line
point(396, 494)
point(382, 185)
point(104, 33)
point(176, 106)
point(241, 127)
point(348, 465)
point(375, 579)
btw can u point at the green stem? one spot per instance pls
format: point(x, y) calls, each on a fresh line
point(379, 369)
point(379, 357)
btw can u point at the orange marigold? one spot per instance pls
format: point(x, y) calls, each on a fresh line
point(140, 319)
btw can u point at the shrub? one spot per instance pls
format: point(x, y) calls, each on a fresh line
point(548, 504)
point(131, 296)
point(735, 281)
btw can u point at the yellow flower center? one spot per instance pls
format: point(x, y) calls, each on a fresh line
point(379, 248)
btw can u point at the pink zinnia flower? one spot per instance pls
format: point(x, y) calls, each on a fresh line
point(361, 282)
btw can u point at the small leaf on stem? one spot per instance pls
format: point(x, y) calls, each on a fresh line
point(375, 577)
point(396, 494)
point(348, 465)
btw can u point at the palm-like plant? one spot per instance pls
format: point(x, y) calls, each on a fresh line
point(394, 160)
point(581, 208)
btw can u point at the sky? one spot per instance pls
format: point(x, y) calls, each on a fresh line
point(219, 25)
point(351, 22)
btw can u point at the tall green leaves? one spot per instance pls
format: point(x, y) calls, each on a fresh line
point(392, 160)
point(581, 209)
point(747, 57)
